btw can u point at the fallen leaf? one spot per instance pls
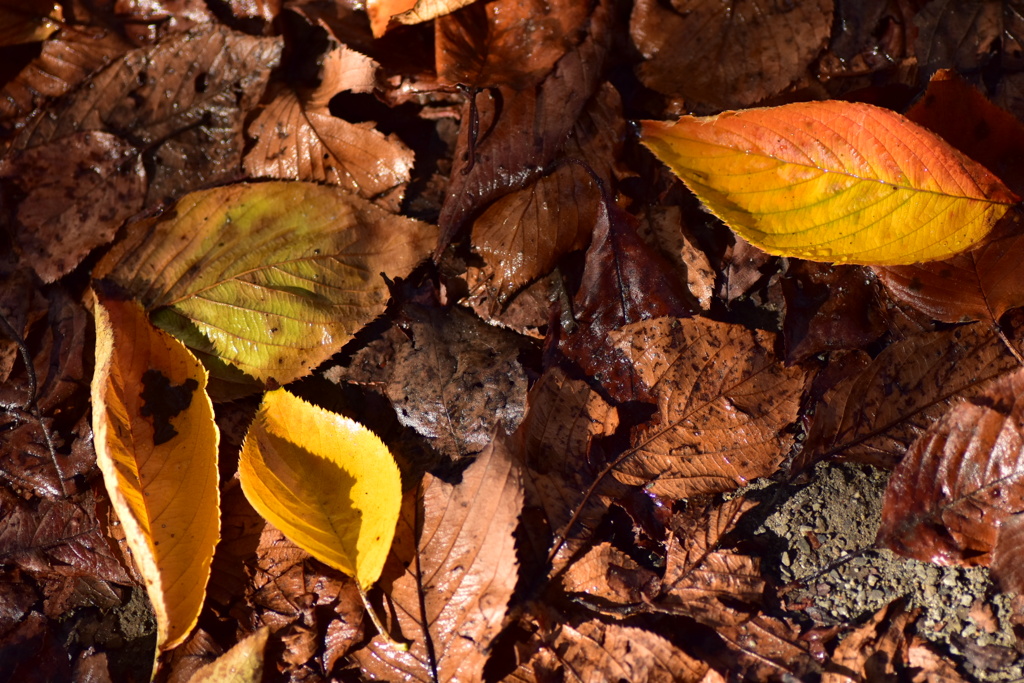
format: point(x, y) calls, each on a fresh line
point(1007, 563)
point(932, 667)
point(676, 240)
point(607, 573)
point(243, 663)
point(183, 100)
point(297, 138)
point(28, 21)
point(723, 401)
point(156, 444)
point(766, 648)
point(968, 35)
point(959, 481)
point(386, 13)
point(834, 181)
point(727, 54)
point(875, 651)
point(328, 483)
point(273, 277)
point(77, 192)
point(481, 46)
point(596, 652)
point(864, 419)
point(450, 593)
point(451, 377)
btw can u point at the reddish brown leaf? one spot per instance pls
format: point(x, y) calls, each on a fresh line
point(674, 239)
point(930, 665)
point(481, 45)
point(876, 651)
point(723, 399)
point(451, 600)
point(77, 192)
point(297, 137)
point(727, 55)
point(874, 415)
point(701, 580)
point(595, 652)
point(519, 133)
point(960, 481)
point(184, 99)
point(1008, 555)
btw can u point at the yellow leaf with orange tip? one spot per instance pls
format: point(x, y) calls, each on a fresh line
point(833, 181)
point(328, 483)
point(156, 444)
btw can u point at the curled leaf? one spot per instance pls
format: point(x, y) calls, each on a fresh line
point(328, 483)
point(834, 181)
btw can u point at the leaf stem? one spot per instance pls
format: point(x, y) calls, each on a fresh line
point(400, 645)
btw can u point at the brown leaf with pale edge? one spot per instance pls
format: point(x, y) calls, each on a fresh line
point(960, 480)
point(481, 45)
point(595, 652)
point(184, 99)
point(65, 60)
point(451, 377)
point(297, 138)
point(78, 191)
point(451, 599)
point(967, 34)
point(875, 651)
point(564, 416)
point(865, 419)
point(156, 444)
point(723, 399)
point(522, 132)
point(727, 54)
point(701, 580)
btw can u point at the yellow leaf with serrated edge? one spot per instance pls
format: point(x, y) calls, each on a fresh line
point(328, 483)
point(156, 444)
point(833, 181)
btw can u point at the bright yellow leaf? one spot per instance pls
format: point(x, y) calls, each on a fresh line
point(833, 181)
point(328, 483)
point(156, 444)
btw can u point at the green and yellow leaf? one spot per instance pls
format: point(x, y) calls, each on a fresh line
point(156, 444)
point(833, 181)
point(328, 483)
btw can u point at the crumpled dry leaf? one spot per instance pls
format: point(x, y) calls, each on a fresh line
point(297, 138)
point(451, 589)
point(960, 480)
point(451, 377)
point(77, 192)
point(723, 399)
point(875, 651)
point(863, 419)
point(730, 54)
point(183, 100)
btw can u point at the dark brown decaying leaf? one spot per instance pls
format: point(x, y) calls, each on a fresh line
point(451, 591)
point(27, 21)
point(960, 480)
point(876, 651)
point(481, 46)
point(297, 137)
point(183, 99)
point(674, 239)
point(967, 34)
point(77, 192)
point(734, 54)
point(723, 400)
point(864, 419)
point(701, 580)
point(521, 133)
point(451, 377)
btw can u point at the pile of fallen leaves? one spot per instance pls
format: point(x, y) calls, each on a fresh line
point(437, 220)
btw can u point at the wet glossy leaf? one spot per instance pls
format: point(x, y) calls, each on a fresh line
point(834, 181)
point(156, 444)
point(271, 277)
point(28, 21)
point(328, 483)
point(968, 34)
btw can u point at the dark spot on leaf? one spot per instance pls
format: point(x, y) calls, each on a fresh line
point(201, 83)
point(163, 401)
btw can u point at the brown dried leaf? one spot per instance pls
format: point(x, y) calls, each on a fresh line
point(451, 377)
point(595, 652)
point(451, 600)
point(967, 34)
point(297, 138)
point(931, 667)
point(28, 21)
point(723, 399)
point(673, 239)
point(481, 46)
point(960, 481)
point(727, 54)
point(864, 419)
point(706, 583)
point(607, 573)
point(183, 99)
point(766, 648)
point(1007, 558)
point(65, 60)
point(78, 191)
point(875, 651)
point(522, 132)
